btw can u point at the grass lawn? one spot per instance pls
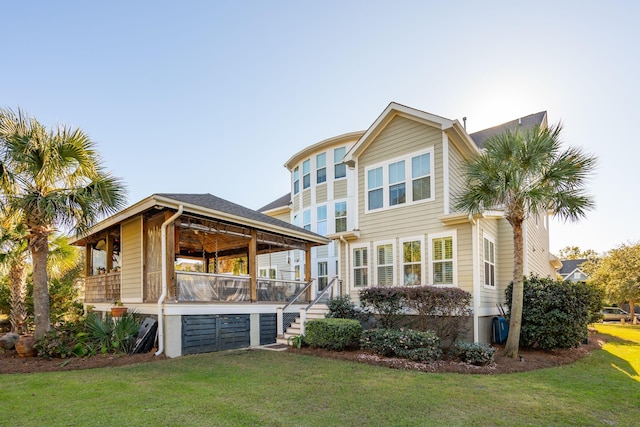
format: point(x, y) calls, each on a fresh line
point(256, 388)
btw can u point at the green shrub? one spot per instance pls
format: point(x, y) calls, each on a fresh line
point(341, 307)
point(67, 339)
point(445, 310)
point(387, 302)
point(555, 314)
point(474, 353)
point(113, 335)
point(408, 343)
point(332, 334)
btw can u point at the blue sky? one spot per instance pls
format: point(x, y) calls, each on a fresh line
point(212, 96)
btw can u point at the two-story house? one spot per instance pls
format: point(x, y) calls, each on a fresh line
point(385, 197)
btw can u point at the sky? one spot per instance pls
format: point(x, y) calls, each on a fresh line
point(215, 96)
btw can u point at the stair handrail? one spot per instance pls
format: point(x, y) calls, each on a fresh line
point(295, 297)
point(322, 293)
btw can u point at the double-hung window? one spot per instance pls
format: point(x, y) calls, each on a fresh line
point(322, 220)
point(296, 180)
point(421, 177)
point(412, 262)
point(384, 264)
point(339, 168)
point(397, 187)
point(306, 220)
point(341, 217)
point(489, 263)
point(306, 174)
point(442, 260)
point(401, 181)
point(374, 188)
point(321, 168)
point(360, 268)
point(323, 275)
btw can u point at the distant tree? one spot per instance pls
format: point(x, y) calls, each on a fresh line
point(574, 252)
point(525, 173)
point(55, 179)
point(619, 274)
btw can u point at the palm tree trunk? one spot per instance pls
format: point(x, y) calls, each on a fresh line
point(38, 243)
point(18, 277)
point(517, 295)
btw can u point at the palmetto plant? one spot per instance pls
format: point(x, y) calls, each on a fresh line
point(525, 173)
point(54, 178)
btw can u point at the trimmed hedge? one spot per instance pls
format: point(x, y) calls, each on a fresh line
point(341, 307)
point(555, 314)
point(411, 344)
point(387, 302)
point(332, 334)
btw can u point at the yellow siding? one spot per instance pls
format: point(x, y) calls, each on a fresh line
point(537, 247)
point(296, 203)
point(504, 250)
point(340, 189)
point(321, 193)
point(131, 240)
point(306, 198)
point(490, 297)
point(456, 175)
point(401, 137)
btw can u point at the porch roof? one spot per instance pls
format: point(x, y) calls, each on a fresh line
point(208, 207)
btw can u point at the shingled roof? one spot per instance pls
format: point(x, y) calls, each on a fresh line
point(526, 122)
point(278, 203)
point(209, 201)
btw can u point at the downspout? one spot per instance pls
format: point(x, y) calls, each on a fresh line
point(475, 256)
point(346, 261)
point(163, 295)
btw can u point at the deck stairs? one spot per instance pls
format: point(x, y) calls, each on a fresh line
point(318, 311)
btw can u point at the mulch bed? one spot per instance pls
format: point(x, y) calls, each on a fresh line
point(11, 363)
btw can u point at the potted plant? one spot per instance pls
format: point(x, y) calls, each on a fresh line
point(118, 309)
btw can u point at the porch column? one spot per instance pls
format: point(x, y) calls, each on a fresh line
point(87, 260)
point(170, 261)
point(253, 266)
point(307, 268)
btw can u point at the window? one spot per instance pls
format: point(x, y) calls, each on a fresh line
point(421, 177)
point(322, 220)
point(442, 260)
point(323, 275)
point(296, 180)
point(306, 220)
point(412, 262)
point(269, 273)
point(296, 272)
point(321, 168)
point(374, 188)
point(360, 268)
point(384, 264)
point(306, 174)
point(340, 169)
point(389, 185)
point(397, 189)
point(341, 217)
point(489, 262)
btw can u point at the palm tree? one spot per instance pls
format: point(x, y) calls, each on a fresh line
point(55, 179)
point(525, 173)
point(13, 262)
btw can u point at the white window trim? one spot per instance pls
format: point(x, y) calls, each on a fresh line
point(454, 241)
point(352, 266)
point(422, 259)
point(495, 262)
point(394, 263)
point(335, 218)
point(336, 162)
point(408, 181)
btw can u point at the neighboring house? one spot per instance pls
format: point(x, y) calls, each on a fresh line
point(173, 257)
point(385, 197)
point(571, 271)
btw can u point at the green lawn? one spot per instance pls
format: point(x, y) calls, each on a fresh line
point(258, 388)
